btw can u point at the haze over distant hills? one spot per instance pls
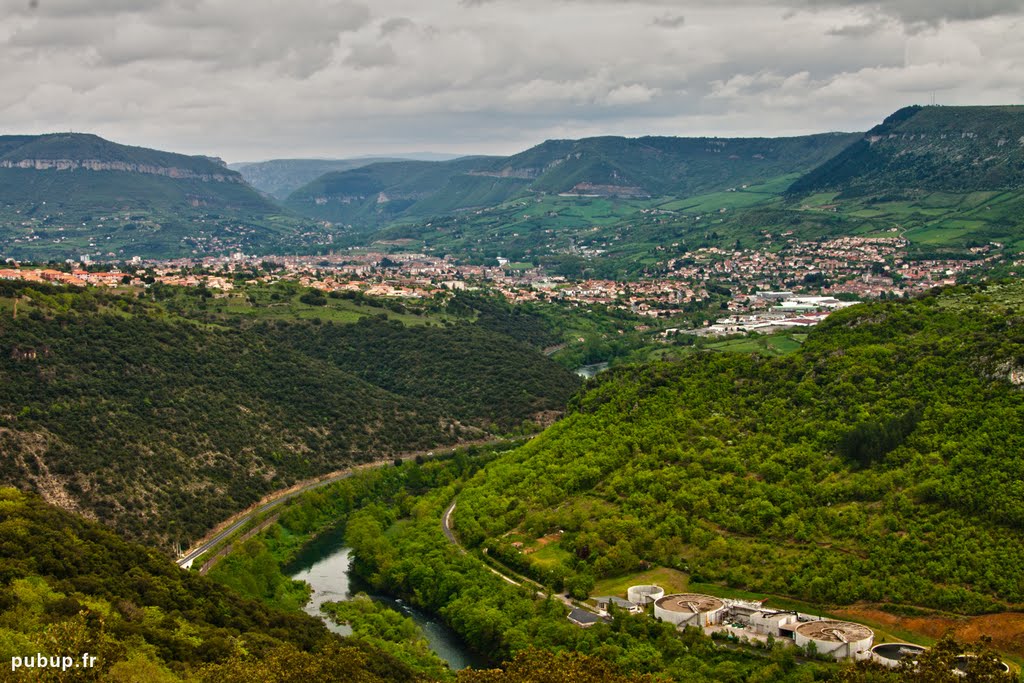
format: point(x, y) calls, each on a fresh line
point(280, 177)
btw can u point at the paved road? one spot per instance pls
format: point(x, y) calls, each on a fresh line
point(446, 527)
point(185, 561)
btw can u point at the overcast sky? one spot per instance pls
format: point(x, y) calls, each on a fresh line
point(257, 79)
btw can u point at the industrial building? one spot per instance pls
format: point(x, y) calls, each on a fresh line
point(838, 639)
point(583, 618)
point(690, 609)
point(604, 603)
point(771, 623)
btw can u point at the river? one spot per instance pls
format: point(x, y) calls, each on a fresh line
point(324, 563)
point(589, 371)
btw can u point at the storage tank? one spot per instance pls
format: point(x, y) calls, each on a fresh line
point(644, 595)
point(838, 639)
point(690, 609)
point(894, 654)
point(963, 663)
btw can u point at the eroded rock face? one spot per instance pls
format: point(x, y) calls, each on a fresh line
point(97, 165)
point(1012, 373)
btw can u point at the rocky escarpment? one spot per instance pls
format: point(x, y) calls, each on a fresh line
point(123, 166)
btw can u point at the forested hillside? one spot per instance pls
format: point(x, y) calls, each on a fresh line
point(117, 408)
point(666, 166)
point(69, 587)
point(946, 149)
point(882, 462)
point(374, 195)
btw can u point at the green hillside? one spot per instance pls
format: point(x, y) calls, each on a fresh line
point(666, 166)
point(130, 410)
point(69, 587)
point(937, 149)
point(378, 193)
point(944, 178)
point(65, 195)
point(375, 195)
point(881, 462)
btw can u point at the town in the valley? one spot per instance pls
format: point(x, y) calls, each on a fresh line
point(759, 290)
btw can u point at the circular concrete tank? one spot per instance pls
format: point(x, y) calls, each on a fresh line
point(838, 639)
point(962, 662)
point(645, 595)
point(894, 654)
point(690, 609)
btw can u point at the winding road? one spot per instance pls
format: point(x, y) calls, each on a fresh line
point(235, 523)
point(539, 591)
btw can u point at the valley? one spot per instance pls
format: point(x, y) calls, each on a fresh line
point(489, 395)
point(391, 543)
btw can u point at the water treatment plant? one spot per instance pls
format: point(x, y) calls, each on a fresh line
point(690, 609)
point(894, 654)
point(838, 639)
point(745, 619)
point(750, 620)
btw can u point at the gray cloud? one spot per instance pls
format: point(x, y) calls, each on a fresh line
point(927, 11)
point(669, 20)
point(369, 55)
point(73, 8)
point(908, 11)
point(860, 30)
point(396, 24)
point(261, 78)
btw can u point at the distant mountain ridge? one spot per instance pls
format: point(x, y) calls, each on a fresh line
point(73, 151)
point(603, 166)
point(380, 192)
point(921, 169)
point(651, 166)
point(946, 149)
point(68, 194)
